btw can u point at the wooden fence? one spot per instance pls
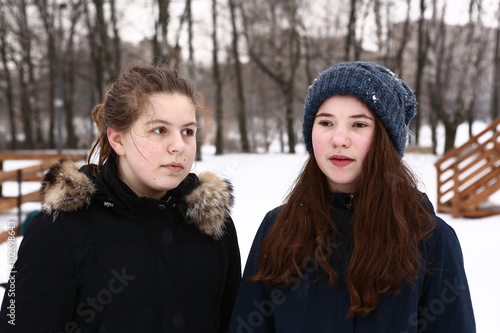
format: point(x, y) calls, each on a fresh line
point(32, 173)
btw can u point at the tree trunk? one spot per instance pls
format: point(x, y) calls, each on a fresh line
point(397, 64)
point(48, 18)
point(289, 95)
point(192, 73)
point(25, 107)
point(351, 31)
point(421, 62)
point(103, 38)
point(116, 41)
point(378, 25)
point(160, 41)
point(9, 94)
point(30, 84)
point(95, 54)
point(450, 130)
point(70, 64)
point(219, 117)
point(23, 67)
point(495, 96)
point(242, 113)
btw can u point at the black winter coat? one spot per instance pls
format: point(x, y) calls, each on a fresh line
point(100, 259)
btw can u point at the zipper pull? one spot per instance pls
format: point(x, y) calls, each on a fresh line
point(351, 201)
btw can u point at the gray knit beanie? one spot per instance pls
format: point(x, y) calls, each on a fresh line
point(390, 98)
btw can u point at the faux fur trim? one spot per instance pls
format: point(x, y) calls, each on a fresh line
point(209, 204)
point(65, 189)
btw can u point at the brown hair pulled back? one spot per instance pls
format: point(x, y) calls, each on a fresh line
point(124, 101)
point(390, 220)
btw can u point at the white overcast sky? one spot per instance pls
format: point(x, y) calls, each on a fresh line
point(138, 18)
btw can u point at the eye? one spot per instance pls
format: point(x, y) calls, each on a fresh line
point(160, 130)
point(324, 123)
point(188, 132)
point(359, 125)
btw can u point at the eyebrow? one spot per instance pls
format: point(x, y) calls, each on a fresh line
point(155, 121)
point(355, 116)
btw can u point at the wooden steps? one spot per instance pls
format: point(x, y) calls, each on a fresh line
point(468, 175)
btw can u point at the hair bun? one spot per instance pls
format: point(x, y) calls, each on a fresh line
point(97, 115)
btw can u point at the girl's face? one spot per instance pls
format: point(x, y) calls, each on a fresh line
point(158, 151)
point(342, 135)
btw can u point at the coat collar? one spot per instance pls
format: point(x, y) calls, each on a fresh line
point(66, 188)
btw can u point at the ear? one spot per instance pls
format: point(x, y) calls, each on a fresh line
point(115, 140)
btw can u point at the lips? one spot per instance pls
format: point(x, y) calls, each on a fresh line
point(341, 160)
point(175, 167)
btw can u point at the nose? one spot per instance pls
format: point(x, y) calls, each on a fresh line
point(340, 137)
point(176, 144)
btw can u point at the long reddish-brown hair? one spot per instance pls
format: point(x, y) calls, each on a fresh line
point(390, 220)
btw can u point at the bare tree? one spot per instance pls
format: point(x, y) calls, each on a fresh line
point(190, 62)
point(454, 87)
point(5, 52)
point(495, 96)
point(477, 44)
point(116, 68)
point(423, 46)
point(350, 40)
point(47, 15)
point(69, 72)
point(95, 53)
point(242, 114)
point(26, 72)
point(105, 67)
point(441, 74)
point(377, 8)
point(192, 70)
point(219, 117)
point(276, 51)
point(161, 47)
point(101, 28)
point(397, 63)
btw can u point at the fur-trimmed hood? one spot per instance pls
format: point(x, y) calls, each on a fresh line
point(65, 188)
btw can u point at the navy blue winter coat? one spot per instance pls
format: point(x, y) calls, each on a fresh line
point(100, 259)
point(439, 303)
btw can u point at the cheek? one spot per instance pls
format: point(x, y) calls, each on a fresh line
point(190, 153)
point(364, 145)
point(319, 142)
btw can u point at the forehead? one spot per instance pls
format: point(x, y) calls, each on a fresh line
point(343, 104)
point(170, 105)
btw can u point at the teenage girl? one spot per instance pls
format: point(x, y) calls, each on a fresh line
point(133, 243)
point(356, 247)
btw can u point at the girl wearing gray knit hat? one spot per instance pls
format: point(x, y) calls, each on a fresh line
point(356, 247)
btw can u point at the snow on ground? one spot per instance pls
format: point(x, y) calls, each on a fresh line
point(261, 182)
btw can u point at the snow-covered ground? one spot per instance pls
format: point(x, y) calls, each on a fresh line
point(261, 182)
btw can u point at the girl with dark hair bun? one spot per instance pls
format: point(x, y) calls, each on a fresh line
point(356, 247)
point(135, 242)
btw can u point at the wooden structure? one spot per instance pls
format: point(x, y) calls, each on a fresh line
point(32, 173)
point(468, 175)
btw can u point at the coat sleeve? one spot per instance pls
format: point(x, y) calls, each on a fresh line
point(41, 297)
point(445, 305)
point(253, 310)
point(233, 276)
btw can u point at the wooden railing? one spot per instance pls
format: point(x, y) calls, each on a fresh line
point(468, 175)
point(32, 173)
